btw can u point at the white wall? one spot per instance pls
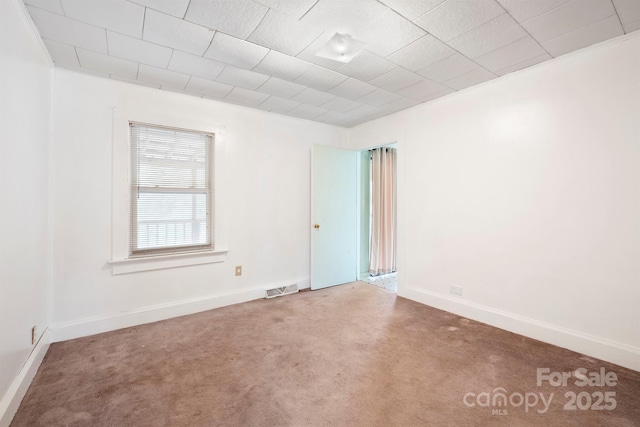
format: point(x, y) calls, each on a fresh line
point(526, 192)
point(25, 85)
point(268, 198)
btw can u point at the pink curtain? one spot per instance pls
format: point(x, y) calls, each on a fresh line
point(382, 255)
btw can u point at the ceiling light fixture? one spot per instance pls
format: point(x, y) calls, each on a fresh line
point(341, 48)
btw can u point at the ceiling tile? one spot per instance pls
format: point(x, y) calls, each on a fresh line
point(313, 97)
point(237, 18)
point(343, 16)
point(235, 51)
point(586, 36)
point(309, 53)
point(379, 97)
point(61, 53)
point(455, 17)
point(437, 95)
point(306, 111)
point(246, 96)
point(632, 26)
point(134, 81)
point(514, 53)
point(284, 66)
point(399, 105)
point(490, 36)
point(195, 65)
point(166, 79)
point(421, 53)
point(568, 18)
point(281, 88)
point(412, 9)
point(320, 78)
point(117, 15)
point(90, 72)
point(284, 33)
point(352, 89)
point(212, 89)
point(341, 105)
point(477, 76)
point(295, 8)
point(170, 31)
point(107, 64)
point(241, 77)
point(524, 64)
point(260, 107)
point(448, 68)
point(351, 122)
point(523, 10)
point(628, 10)
point(215, 98)
point(422, 90)
point(332, 118)
point(367, 66)
point(69, 31)
point(172, 7)
point(279, 105)
point(50, 5)
point(396, 79)
point(263, 55)
point(138, 50)
point(365, 111)
point(388, 33)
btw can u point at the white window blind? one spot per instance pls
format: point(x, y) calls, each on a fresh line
point(171, 190)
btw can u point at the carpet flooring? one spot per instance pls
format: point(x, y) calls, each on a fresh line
point(352, 355)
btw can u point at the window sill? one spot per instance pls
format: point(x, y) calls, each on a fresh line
point(133, 265)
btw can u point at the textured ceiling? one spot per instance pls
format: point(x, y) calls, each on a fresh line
point(261, 53)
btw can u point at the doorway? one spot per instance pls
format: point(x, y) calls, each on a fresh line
point(342, 218)
point(377, 216)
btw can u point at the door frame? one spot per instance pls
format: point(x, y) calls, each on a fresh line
point(401, 212)
point(359, 254)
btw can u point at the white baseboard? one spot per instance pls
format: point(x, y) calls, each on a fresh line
point(302, 284)
point(599, 348)
point(18, 388)
point(99, 324)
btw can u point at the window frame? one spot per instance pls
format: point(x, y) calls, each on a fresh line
point(122, 260)
point(210, 193)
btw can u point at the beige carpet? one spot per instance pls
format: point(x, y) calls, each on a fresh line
point(352, 355)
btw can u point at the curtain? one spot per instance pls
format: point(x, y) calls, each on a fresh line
point(382, 255)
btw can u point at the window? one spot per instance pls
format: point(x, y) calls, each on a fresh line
point(159, 160)
point(171, 190)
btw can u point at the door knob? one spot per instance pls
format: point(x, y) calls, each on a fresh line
point(316, 226)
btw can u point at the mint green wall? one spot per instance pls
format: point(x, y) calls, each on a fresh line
point(364, 166)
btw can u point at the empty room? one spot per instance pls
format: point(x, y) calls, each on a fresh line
point(319, 212)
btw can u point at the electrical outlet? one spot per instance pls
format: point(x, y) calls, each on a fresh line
point(34, 334)
point(455, 290)
point(238, 270)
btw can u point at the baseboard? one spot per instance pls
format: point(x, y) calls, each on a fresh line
point(302, 284)
point(18, 388)
point(99, 324)
point(599, 348)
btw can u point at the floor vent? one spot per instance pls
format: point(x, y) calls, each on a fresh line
point(278, 292)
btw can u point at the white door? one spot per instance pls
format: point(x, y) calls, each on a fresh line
point(333, 216)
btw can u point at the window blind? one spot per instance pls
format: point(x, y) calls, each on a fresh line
point(171, 190)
